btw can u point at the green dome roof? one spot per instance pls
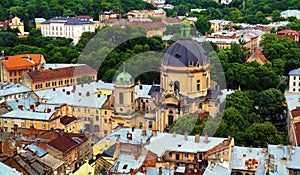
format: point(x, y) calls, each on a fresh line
point(124, 78)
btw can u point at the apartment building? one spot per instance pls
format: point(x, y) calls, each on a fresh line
point(14, 67)
point(69, 27)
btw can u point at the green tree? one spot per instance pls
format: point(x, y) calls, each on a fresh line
point(262, 134)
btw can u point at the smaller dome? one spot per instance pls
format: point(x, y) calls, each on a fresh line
point(124, 78)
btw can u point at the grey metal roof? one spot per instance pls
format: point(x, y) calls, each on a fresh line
point(7, 170)
point(295, 72)
point(155, 171)
point(142, 91)
point(125, 162)
point(289, 13)
point(292, 155)
point(167, 142)
point(137, 137)
point(241, 154)
point(216, 169)
point(39, 151)
point(67, 20)
point(185, 52)
point(12, 88)
point(292, 101)
point(79, 95)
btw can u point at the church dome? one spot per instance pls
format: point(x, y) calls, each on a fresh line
point(124, 78)
point(184, 53)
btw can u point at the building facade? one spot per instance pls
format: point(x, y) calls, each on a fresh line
point(14, 67)
point(60, 77)
point(69, 27)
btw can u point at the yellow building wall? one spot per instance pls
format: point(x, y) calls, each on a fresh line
point(85, 169)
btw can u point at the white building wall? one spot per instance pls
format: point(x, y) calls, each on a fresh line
point(68, 31)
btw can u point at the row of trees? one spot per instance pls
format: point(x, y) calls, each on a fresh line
point(248, 117)
point(27, 10)
point(55, 50)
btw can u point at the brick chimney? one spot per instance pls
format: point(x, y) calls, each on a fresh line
point(144, 133)
point(197, 138)
point(206, 138)
point(154, 133)
point(31, 130)
point(185, 136)
point(15, 129)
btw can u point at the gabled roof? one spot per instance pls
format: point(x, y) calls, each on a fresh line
point(258, 53)
point(66, 72)
point(67, 142)
point(19, 62)
point(65, 120)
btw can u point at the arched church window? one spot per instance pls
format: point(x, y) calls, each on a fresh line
point(207, 83)
point(176, 86)
point(121, 98)
point(198, 85)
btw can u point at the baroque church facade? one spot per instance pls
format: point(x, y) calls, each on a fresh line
point(185, 88)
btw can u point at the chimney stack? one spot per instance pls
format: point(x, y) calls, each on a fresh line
point(31, 130)
point(250, 149)
point(15, 129)
point(154, 133)
point(174, 134)
point(144, 133)
point(132, 129)
point(197, 138)
point(206, 138)
point(185, 136)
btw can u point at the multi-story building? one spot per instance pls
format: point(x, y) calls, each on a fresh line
point(38, 22)
point(60, 77)
point(290, 13)
point(293, 34)
point(69, 27)
point(146, 14)
point(108, 15)
point(294, 81)
point(17, 24)
point(14, 67)
point(29, 112)
point(72, 148)
point(188, 154)
point(11, 91)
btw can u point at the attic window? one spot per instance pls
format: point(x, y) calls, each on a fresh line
point(179, 145)
point(125, 166)
point(178, 55)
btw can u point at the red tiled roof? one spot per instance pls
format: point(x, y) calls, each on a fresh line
point(261, 56)
point(288, 31)
point(84, 17)
point(65, 120)
point(19, 62)
point(63, 144)
point(67, 72)
point(172, 20)
point(149, 25)
point(296, 112)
